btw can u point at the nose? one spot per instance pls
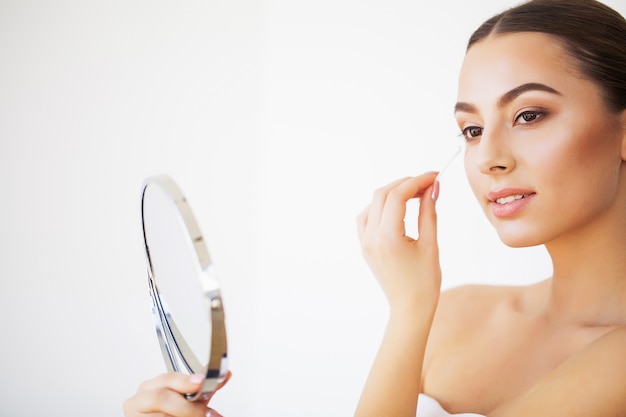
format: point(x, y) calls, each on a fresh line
point(493, 154)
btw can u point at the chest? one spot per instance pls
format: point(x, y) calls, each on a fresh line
point(482, 372)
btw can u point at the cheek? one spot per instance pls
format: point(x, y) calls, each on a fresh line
point(577, 175)
point(473, 174)
point(592, 160)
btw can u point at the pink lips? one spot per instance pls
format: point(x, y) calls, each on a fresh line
point(512, 201)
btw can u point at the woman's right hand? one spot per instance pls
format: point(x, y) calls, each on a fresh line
point(164, 396)
point(407, 269)
point(409, 273)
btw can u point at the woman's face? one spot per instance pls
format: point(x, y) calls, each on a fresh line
point(544, 154)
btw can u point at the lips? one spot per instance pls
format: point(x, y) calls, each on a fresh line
point(507, 195)
point(510, 199)
point(509, 202)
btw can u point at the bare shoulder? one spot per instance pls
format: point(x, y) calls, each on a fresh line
point(462, 308)
point(480, 330)
point(468, 316)
point(590, 382)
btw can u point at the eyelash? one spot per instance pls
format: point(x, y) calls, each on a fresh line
point(465, 133)
point(536, 116)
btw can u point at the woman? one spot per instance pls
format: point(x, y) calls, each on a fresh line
point(542, 106)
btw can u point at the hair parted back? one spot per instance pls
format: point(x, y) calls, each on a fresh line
point(592, 33)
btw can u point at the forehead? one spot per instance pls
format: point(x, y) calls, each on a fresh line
point(501, 62)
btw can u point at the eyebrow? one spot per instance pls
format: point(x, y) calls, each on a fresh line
point(508, 97)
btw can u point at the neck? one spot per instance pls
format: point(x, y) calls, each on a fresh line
point(588, 286)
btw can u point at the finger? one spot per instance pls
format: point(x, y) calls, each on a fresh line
point(225, 381)
point(219, 386)
point(212, 413)
point(162, 401)
point(378, 203)
point(392, 219)
point(178, 382)
point(427, 219)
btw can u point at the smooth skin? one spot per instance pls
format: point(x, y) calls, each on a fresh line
point(554, 348)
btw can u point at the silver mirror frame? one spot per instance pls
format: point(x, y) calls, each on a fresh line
point(176, 352)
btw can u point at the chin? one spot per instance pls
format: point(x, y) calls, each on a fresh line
point(520, 243)
point(519, 236)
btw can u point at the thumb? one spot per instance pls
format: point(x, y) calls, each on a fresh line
point(219, 387)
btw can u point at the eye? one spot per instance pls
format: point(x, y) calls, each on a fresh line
point(529, 116)
point(472, 132)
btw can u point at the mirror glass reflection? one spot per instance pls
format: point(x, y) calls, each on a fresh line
point(176, 270)
point(187, 304)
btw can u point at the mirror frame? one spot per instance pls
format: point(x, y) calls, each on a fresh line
point(177, 354)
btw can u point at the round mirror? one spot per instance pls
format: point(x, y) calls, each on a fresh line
point(186, 301)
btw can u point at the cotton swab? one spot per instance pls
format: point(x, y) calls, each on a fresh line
point(444, 169)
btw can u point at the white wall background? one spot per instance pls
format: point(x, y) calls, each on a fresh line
point(278, 119)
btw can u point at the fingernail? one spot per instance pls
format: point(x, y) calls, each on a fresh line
point(435, 194)
point(195, 379)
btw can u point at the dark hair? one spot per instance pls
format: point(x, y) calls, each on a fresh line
point(592, 33)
